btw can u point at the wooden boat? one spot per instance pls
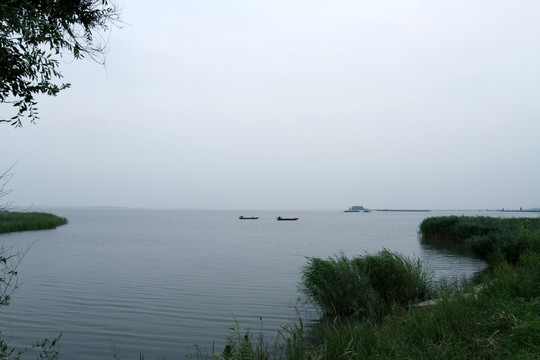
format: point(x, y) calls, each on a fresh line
point(248, 217)
point(279, 218)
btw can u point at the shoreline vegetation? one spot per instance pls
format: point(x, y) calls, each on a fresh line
point(374, 306)
point(27, 221)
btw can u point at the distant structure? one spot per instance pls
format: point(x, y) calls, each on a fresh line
point(355, 209)
point(521, 209)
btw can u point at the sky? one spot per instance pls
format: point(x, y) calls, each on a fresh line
point(409, 104)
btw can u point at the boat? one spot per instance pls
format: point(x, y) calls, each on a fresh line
point(279, 218)
point(248, 217)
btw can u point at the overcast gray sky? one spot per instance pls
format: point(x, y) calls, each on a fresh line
point(294, 105)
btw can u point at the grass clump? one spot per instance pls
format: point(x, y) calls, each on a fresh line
point(24, 221)
point(337, 285)
point(366, 286)
point(396, 278)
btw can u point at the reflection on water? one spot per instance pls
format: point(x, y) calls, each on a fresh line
point(444, 246)
point(447, 255)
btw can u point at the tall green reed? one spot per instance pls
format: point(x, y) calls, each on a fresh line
point(366, 285)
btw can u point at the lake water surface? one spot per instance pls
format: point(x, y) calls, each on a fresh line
point(119, 281)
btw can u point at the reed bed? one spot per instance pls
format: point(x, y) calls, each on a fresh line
point(24, 221)
point(492, 239)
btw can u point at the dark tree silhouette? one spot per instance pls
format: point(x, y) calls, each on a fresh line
point(34, 34)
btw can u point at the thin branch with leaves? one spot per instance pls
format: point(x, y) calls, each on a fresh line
point(34, 34)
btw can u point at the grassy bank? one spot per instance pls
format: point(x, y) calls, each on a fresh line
point(370, 311)
point(23, 221)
